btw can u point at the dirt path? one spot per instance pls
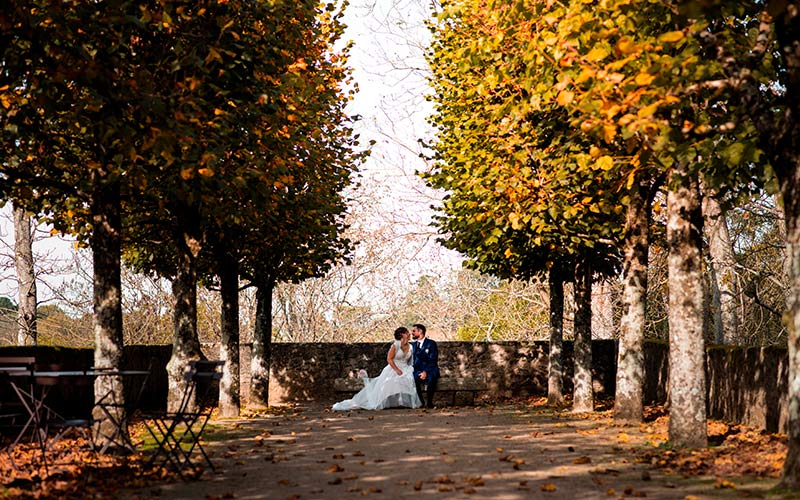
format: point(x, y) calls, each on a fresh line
point(505, 452)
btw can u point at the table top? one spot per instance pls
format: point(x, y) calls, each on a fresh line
point(71, 373)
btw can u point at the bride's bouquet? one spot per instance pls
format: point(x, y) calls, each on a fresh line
point(362, 373)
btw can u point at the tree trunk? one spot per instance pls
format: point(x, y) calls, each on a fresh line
point(262, 345)
point(108, 342)
point(185, 346)
point(583, 399)
point(628, 404)
point(723, 274)
point(229, 402)
point(790, 190)
point(687, 381)
point(780, 136)
point(555, 393)
point(26, 277)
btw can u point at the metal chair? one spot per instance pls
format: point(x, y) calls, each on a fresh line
point(178, 433)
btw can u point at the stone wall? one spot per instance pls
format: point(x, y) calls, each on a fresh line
point(307, 371)
point(746, 385)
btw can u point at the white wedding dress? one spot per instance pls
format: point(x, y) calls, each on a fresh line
point(388, 389)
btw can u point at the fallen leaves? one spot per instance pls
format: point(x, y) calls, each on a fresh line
point(742, 451)
point(548, 487)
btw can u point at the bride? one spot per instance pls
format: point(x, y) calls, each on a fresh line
point(394, 386)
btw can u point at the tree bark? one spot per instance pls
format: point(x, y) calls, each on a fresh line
point(780, 138)
point(26, 277)
point(687, 382)
point(106, 244)
point(790, 191)
point(628, 404)
point(555, 374)
point(262, 345)
point(583, 399)
point(185, 346)
point(229, 402)
point(723, 274)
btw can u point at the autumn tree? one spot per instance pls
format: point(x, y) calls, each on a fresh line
point(763, 69)
point(517, 202)
point(74, 113)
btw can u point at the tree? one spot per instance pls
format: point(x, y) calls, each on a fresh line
point(73, 116)
point(723, 271)
point(769, 99)
point(26, 277)
point(517, 202)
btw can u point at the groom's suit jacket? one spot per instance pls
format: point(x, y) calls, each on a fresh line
point(426, 358)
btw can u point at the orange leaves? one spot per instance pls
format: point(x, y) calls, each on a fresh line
point(565, 97)
point(298, 66)
point(213, 55)
point(548, 487)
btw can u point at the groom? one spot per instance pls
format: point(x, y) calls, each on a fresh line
point(426, 364)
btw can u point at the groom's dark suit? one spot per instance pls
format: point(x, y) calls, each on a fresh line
point(426, 359)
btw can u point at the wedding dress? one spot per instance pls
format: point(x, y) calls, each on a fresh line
point(388, 389)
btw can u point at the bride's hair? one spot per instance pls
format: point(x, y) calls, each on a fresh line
point(398, 334)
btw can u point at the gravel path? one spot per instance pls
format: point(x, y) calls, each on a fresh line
point(505, 452)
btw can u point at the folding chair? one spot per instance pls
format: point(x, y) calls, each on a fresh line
point(177, 433)
point(118, 413)
point(18, 407)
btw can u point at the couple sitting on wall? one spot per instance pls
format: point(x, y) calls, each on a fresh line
point(409, 377)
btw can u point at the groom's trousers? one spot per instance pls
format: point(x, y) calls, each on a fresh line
point(425, 391)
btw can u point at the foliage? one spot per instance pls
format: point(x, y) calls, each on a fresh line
point(519, 195)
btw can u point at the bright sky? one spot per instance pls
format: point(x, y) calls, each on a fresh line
point(390, 39)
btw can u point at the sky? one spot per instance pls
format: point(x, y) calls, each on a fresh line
point(390, 39)
point(387, 57)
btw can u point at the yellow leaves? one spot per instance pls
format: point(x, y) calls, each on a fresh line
point(205, 172)
point(623, 438)
point(585, 75)
point(187, 173)
point(218, 112)
point(627, 46)
point(597, 54)
point(565, 97)
point(5, 102)
point(604, 163)
point(648, 110)
point(631, 179)
point(644, 79)
point(513, 218)
point(671, 37)
point(609, 132)
point(582, 460)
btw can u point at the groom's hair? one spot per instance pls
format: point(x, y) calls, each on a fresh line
point(398, 334)
point(421, 327)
